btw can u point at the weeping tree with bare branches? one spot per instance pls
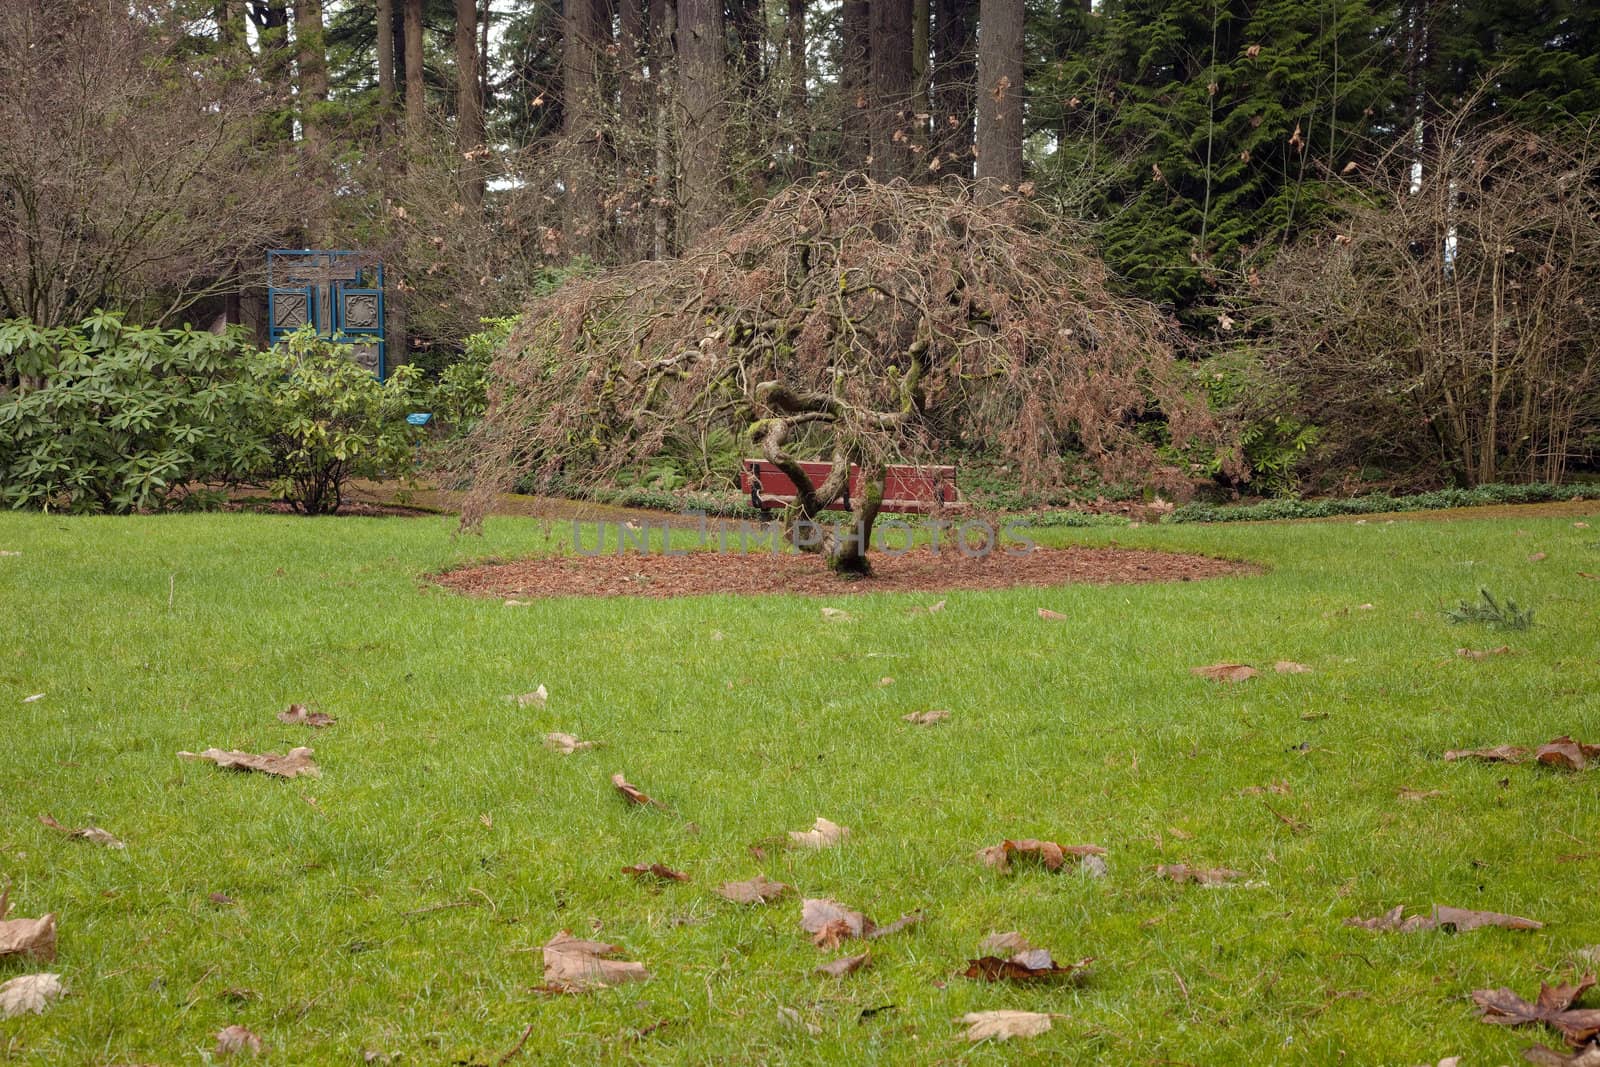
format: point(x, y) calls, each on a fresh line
point(859, 322)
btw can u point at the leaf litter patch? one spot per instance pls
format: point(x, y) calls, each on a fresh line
point(701, 573)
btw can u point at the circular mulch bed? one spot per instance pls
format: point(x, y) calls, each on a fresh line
point(699, 573)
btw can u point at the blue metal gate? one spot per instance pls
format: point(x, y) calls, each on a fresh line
point(339, 294)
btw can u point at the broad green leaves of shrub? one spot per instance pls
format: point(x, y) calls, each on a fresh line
point(324, 420)
point(107, 417)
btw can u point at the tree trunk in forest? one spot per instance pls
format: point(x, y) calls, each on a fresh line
point(313, 72)
point(469, 105)
point(663, 28)
point(854, 62)
point(797, 126)
point(703, 113)
point(416, 88)
point(890, 89)
point(954, 78)
point(586, 31)
point(272, 44)
point(385, 63)
point(757, 117)
point(634, 148)
point(230, 23)
point(1000, 91)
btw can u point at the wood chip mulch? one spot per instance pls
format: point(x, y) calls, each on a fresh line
point(703, 572)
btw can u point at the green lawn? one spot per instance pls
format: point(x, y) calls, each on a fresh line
point(152, 635)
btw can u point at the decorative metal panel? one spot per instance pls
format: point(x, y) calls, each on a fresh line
point(338, 293)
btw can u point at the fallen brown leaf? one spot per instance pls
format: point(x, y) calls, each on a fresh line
point(566, 744)
point(535, 699)
point(1048, 853)
point(830, 923)
point(235, 1039)
point(905, 922)
point(1276, 788)
point(29, 994)
point(633, 795)
point(659, 871)
point(1008, 941)
point(848, 965)
point(1537, 557)
point(1289, 666)
point(885, 682)
point(573, 965)
point(823, 834)
point(758, 890)
point(1028, 965)
point(1420, 794)
point(1588, 1056)
point(1473, 653)
point(1182, 872)
point(1052, 616)
point(926, 718)
point(1004, 1025)
point(88, 833)
point(1567, 754)
point(1452, 920)
point(1553, 1008)
point(297, 715)
point(1498, 754)
point(836, 615)
point(1224, 672)
point(295, 764)
point(30, 938)
point(219, 898)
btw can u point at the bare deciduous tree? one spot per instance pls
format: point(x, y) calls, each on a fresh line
point(133, 170)
point(1451, 322)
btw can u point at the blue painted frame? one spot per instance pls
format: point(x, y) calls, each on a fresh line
point(368, 283)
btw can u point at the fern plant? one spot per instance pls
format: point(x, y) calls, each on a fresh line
point(1486, 609)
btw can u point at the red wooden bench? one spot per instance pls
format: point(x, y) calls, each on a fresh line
point(906, 489)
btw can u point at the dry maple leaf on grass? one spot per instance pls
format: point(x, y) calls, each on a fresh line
point(29, 994)
point(299, 715)
point(88, 833)
point(235, 1039)
point(1451, 920)
point(830, 923)
point(659, 871)
point(758, 890)
point(1553, 1008)
point(566, 744)
point(535, 699)
point(1052, 855)
point(836, 615)
point(1567, 754)
point(926, 718)
point(823, 834)
point(1051, 616)
point(1225, 672)
point(633, 794)
point(1473, 653)
point(1289, 666)
point(1214, 876)
point(573, 965)
point(1497, 754)
point(847, 965)
point(1025, 963)
point(296, 763)
point(29, 938)
point(1004, 1025)
point(1587, 1056)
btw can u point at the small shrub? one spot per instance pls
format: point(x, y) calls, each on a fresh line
point(1486, 609)
point(324, 421)
point(1377, 503)
point(461, 395)
point(107, 417)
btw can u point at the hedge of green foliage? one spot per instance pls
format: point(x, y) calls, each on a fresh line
point(1377, 503)
point(104, 417)
point(107, 417)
